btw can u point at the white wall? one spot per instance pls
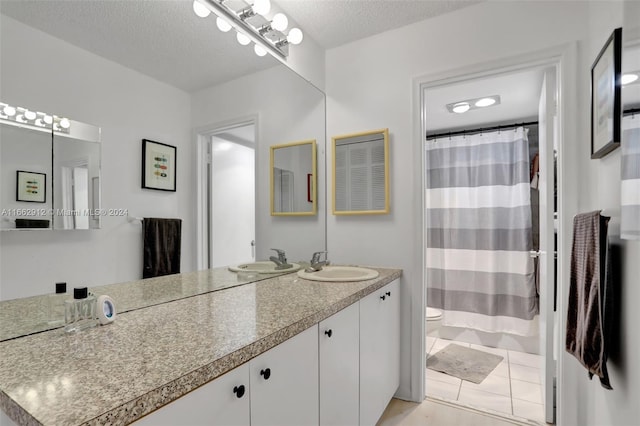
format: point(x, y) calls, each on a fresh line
point(288, 110)
point(46, 74)
point(370, 85)
point(584, 401)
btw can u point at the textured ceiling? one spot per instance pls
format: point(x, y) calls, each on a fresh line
point(333, 23)
point(167, 41)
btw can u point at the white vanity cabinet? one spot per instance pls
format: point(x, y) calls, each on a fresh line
point(379, 351)
point(342, 371)
point(338, 344)
point(223, 401)
point(284, 382)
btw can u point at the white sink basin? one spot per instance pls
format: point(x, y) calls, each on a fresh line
point(340, 273)
point(263, 267)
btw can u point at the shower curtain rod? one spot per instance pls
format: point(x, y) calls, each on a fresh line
point(479, 130)
point(630, 111)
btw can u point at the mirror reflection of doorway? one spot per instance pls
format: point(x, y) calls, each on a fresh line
point(75, 195)
point(231, 196)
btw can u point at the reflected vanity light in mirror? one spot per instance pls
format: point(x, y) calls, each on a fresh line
point(293, 179)
point(360, 173)
point(66, 153)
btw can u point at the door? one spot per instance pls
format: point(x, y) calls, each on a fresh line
point(379, 351)
point(223, 401)
point(284, 383)
point(338, 341)
point(546, 116)
point(232, 196)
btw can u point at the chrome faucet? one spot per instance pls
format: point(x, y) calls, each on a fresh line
point(316, 264)
point(281, 260)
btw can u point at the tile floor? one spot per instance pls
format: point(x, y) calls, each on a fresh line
point(434, 412)
point(513, 387)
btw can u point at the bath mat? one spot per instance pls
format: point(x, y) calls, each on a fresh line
point(465, 363)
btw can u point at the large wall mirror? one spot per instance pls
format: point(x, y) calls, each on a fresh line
point(630, 143)
point(361, 173)
point(293, 179)
point(50, 176)
point(76, 66)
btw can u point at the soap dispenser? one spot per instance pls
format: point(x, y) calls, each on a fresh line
point(80, 312)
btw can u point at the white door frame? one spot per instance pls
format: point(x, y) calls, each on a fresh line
point(202, 136)
point(564, 59)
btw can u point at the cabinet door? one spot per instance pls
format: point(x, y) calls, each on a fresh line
point(223, 401)
point(284, 383)
point(338, 340)
point(379, 351)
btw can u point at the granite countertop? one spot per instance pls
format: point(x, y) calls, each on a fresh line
point(19, 317)
point(148, 357)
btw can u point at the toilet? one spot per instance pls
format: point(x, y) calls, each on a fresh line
point(434, 319)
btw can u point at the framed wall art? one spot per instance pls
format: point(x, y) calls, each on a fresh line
point(158, 166)
point(605, 97)
point(31, 186)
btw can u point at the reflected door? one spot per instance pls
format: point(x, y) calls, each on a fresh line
point(232, 197)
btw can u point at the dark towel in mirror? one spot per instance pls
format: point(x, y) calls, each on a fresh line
point(32, 223)
point(162, 239)
point(590, 295)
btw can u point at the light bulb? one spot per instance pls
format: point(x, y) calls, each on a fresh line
point(484, 102)
point(261, 6)
point(48, 119)
point(29, 115)
point(243, 39)
point(39, 122)
point(9, 110)
point(64, 123)
point(461, 107)
point(295, 36)
point(223, 25)
point(279, 22)
point(260, 51)
point(200, 9)
point(628, 78)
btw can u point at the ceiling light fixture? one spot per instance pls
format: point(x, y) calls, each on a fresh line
point(630, 77)
point(251, 24)
point(460, 107)
point(42, 121)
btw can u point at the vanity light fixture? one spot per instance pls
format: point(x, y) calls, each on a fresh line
point(630, 78)
point(252, 25)
point(200, 9)
point(469, 104)
point(40, 120)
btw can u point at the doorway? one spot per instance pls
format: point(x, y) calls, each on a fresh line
point(226, 204)
point(523, 383)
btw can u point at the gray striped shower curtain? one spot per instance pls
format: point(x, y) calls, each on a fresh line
point(479, 272)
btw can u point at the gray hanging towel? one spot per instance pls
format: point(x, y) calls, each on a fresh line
point(162, 239)
point(590, 295)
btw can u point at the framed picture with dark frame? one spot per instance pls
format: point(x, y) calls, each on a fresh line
point(158, 166)
point(31, 187)
point(605, 97)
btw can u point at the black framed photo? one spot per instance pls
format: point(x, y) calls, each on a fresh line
point(158, 166)
point(31, 186)
point(605, 97)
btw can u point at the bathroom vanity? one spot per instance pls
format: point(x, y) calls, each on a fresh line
point(283, 350)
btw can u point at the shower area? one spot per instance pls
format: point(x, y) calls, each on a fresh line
point(489, 201)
